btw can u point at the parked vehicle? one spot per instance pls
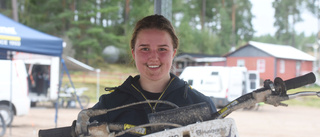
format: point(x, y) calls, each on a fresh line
point(14, 98)
point(222, 84)
point(43, 76)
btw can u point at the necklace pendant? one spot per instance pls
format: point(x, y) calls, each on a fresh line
point(153, 109)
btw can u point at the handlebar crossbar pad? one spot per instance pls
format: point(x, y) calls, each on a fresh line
point(300, 81)
point(56, 132)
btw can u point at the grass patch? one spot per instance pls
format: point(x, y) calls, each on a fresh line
point(310, 101)
point(111, 76)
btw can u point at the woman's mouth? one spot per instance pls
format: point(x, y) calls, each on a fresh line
point(153, 66)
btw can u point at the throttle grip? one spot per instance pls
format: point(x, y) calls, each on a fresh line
point(56, 132)
point(300, 81)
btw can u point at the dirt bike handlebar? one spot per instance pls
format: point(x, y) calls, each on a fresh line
point(80, 126)
point(271, 93)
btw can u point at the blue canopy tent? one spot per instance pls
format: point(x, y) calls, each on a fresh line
point(18, 37)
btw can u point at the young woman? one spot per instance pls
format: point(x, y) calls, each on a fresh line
point(153, 46)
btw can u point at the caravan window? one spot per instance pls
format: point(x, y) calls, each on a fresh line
point(252, 78)
point(252, 85)
point(214, 73)
point(39, 78)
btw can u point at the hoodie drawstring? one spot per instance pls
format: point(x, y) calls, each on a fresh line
point(186, 86)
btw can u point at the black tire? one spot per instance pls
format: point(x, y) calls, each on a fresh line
point(85, 100)
point(6, 114)
point(3, 126)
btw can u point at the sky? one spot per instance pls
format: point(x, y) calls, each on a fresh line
point(263, 21)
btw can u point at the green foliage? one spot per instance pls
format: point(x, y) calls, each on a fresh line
point(206, 26)
point(311, 101)
point(203, 26)
point(287, 14)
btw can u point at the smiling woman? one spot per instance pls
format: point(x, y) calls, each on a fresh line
point(153, 46)
point(153, 55)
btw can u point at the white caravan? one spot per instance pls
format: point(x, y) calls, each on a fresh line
point(222, 84)
point(43, 76)
point(15, 92)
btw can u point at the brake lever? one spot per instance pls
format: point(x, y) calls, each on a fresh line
point(304, 93)
point(278, 92)
point(276, 100)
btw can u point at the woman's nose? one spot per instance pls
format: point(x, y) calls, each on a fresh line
point(154, 54)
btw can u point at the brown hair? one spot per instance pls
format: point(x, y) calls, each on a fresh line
point(154, 22)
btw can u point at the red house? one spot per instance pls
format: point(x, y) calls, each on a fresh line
point(271, 60)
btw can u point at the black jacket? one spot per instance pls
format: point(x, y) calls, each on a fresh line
point(177, 92)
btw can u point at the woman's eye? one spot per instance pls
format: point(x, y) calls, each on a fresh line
point(162, 49)
point(145, 49)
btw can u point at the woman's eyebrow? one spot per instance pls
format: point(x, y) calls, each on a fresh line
point(163, 45)
point(143, 45)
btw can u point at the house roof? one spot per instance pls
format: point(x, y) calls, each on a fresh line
point(196, 55)
point(282, 51)
point(199, 57)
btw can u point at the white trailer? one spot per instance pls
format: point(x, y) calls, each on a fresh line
point(222, 84)
point(43, 76)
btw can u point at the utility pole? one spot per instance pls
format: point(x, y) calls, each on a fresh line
point(15, 10)
point(163, 7)
point(233, 17)
point(317, 43)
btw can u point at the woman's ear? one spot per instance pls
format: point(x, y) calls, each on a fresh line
point(132, 52)
point(174, 53)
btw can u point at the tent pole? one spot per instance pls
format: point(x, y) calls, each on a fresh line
point(66, 69)
point(57, 101)
point(10, 104)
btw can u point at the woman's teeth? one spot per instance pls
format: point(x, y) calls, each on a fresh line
point(153, 66)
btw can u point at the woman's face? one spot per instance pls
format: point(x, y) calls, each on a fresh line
point(153, 54)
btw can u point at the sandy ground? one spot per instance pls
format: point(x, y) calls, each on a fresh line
point(268, 121)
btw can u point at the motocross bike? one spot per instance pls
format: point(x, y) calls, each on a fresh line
point(194, 120)
point(71, 96)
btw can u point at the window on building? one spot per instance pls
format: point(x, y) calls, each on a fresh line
point(282, 66)
point(261, 65)
point(298, 68)
point(241, 63)
point(252, 79)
